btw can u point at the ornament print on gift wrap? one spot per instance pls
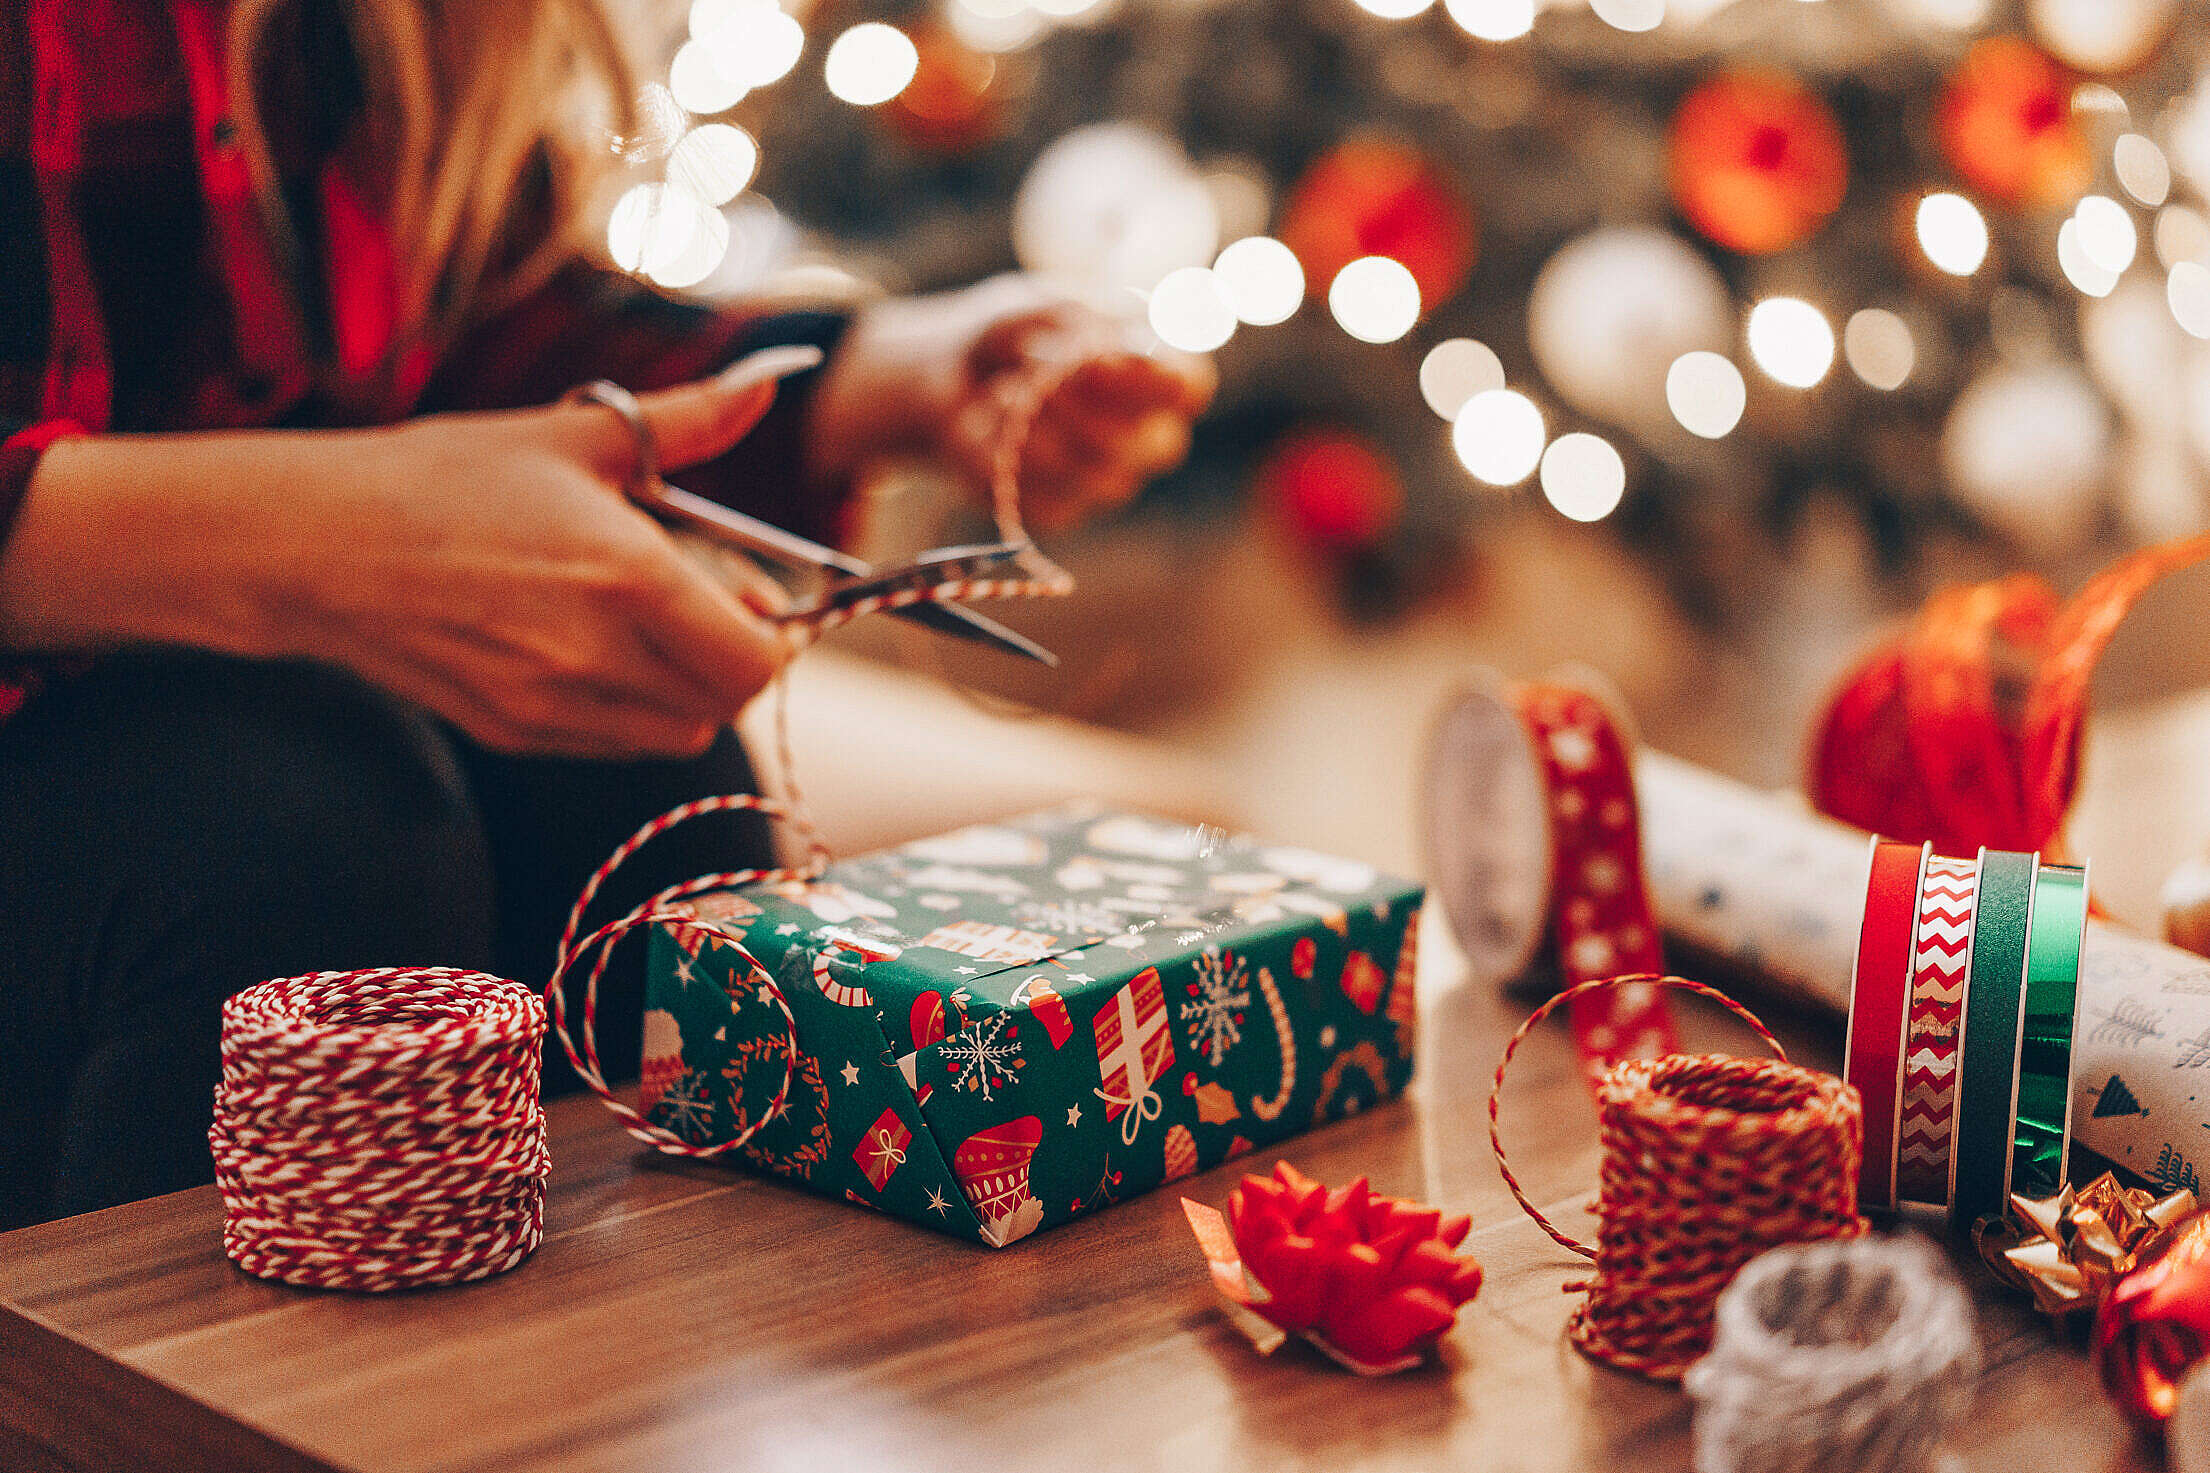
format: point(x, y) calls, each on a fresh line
point(992, 1167)
point(762, 1055)
point(1217, 998)
point(661, 1061)
point(1134, 1048)
point(984, 1056)
point(1180, 1157)
point(1338, 1095)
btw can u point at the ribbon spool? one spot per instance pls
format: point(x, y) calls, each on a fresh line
point(1708, 1161)
point(1531, 828)
point(1963, 1003)
point(381, 1130)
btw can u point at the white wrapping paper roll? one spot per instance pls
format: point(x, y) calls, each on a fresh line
point(1756, 879)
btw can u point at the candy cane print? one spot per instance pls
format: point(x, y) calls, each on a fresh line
point(1271, 1109)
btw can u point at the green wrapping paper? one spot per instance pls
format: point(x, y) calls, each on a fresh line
point(1014, 1024)
point(1988, 1062)
point(2052, 1006)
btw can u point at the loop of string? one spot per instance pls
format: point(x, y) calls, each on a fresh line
point(1023, 400)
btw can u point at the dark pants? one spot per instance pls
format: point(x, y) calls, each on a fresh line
point(175, 827)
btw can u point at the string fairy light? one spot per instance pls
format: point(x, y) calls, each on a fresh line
point(1375, 299)
point(1706, 394)
point(1499, 436)
point(1455, 370)
point(2104, 229)
point(1261, 279)
point(1189, 311)
point(1583, 476)
point(1879, 347)
point(1493, 20)
point(1791, 340)
point(1952, 233)
point(870, 64)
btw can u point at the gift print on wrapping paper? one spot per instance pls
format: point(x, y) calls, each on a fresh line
point(1134, 1048)
point(883, 1149)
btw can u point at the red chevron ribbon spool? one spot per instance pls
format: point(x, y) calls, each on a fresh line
point(1879, 1004)
point(1941, 967)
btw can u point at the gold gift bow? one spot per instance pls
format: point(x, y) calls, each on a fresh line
point(2069, 1249)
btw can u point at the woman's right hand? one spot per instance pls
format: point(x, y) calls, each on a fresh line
point(486, 566)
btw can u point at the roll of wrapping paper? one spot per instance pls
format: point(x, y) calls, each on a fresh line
point(1754, 878)
point(1540, 774)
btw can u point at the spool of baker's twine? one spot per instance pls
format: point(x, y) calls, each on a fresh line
point(1857, 1355)
point(381, 1129)
point(1707, 1162)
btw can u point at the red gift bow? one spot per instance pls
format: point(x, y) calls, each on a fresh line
point(1965, 728)
point(1372, 1281)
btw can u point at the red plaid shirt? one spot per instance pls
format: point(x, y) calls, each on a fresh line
point(140, 290)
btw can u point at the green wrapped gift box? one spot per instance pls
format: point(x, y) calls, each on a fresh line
point(1009, 1025)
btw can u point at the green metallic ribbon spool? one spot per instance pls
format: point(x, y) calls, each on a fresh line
point(1987, 1064)
point(2044, 1127)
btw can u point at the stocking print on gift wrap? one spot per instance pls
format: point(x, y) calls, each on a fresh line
point(1134, 1048)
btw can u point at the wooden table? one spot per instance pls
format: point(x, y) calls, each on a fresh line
point(682, 1317)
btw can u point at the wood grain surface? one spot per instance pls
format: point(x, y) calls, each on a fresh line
point(681, 1316)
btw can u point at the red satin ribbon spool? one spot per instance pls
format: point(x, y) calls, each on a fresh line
point(1600, 913)
point(1879, 997)
point(1965, 728)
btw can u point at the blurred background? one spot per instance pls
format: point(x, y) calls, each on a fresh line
point(1692, 340)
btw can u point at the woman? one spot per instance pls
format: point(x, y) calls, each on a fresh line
point(333, 642)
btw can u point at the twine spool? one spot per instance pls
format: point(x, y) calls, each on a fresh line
point(1857, 1355)
point(1707, 1162)
point(381, 1129)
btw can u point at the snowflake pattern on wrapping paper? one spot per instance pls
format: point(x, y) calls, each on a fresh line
point(985, 1056)
point(687, 1109)
point(1069, 917)
point(1217, 1000)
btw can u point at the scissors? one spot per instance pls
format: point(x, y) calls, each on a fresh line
point(852, 578)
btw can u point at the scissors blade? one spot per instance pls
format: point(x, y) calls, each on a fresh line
point(711, 519)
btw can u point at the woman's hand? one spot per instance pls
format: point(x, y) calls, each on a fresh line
point(931, 375)
point(486, 566)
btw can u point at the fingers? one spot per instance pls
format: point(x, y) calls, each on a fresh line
point(1135, 383)
point(729, 642)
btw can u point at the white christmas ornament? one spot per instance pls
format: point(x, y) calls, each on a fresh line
point(2025, 448)
point(1114, 205)
point(1612, 310)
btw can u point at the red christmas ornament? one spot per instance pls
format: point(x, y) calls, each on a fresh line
point(2005, 125)
point(1338, 491)
point(2155, 1325)
point(1371, 1281)
point(953, 103)
point(1301, 958)
point(1756, 161)
point(1378, 197)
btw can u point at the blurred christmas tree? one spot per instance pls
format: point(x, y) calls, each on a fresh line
point(1711, 264)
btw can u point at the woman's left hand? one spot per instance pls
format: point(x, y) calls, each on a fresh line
point(935, 375)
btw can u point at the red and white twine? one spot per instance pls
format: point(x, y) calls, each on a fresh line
point(381, 1129)
point(1707, 1162)
point(1023, 399)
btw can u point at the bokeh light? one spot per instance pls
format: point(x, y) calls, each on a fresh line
point(751, 41)
point(1394, 9)
point(1189, 311)
point(1880, 348)
point(1791, 340)
point(651, 227)
point(2187, 290)
point(2082, 272)
point(1375, 299)
point(2141, 169)
point(870, 64)
point(714, 162)
point(700, 85)
point(2105, 233)
point(1630, 15)
point(1499, 437)
point(2182, 234)
point(993, 25)
point(1583, 476)
point(1706, 394)
point(1454, 371)
point(1493, 20)
point(1952, 233)
point(1261, 279)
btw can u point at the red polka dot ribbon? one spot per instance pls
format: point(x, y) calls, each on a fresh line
point(381, 1130)
point(1600, 917)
